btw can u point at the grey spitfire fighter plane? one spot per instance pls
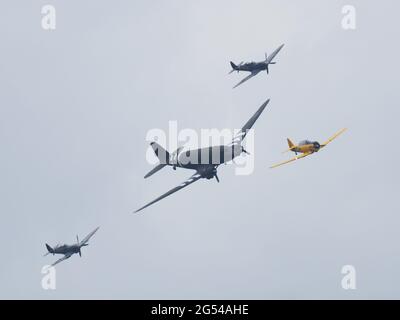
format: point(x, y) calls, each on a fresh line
point(255, 67)
point(205, 160)
point(69, 250)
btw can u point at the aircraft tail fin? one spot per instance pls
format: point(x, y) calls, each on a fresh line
point(234, 67)
point(49, 249)
point(155, 169)
point(161, 153)
point(290, 144)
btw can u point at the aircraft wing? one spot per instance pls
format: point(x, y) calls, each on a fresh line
point(62, 259)
point(242, 133)
point(273, 54)
point(291, 160)
point(192, 179)
point(251, 75)
point(86, 239)
point(333, 137)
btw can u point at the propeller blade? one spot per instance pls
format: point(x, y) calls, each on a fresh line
point(80, 253)
point(216, 177)
point(245, 151)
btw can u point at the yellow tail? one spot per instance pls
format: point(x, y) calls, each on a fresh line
point(290, 144)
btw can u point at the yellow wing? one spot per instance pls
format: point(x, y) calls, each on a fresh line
point(333, 137)
point(293, 159)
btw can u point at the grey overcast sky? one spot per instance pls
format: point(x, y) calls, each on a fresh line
point(76, 104)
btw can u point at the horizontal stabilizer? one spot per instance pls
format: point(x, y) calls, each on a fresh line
point(155, 169)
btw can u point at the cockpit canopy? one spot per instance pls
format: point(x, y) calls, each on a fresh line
point(305, 142)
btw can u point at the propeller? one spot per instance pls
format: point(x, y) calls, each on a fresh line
point(79, 246)
point(216, 177)
point(244, 151)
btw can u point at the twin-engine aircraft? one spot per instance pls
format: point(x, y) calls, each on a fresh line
point(69, 250)
point(306, 147)
point(205, 160)
point(255, 67)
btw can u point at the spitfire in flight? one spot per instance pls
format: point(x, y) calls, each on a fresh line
point(69, 250)
point(255, 67)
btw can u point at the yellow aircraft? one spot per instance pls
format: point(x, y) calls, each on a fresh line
point(306, 148)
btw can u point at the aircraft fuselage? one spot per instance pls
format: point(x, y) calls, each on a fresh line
point(202, 158)
point(252, 66)
point(307, 147)
point(64, 249)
